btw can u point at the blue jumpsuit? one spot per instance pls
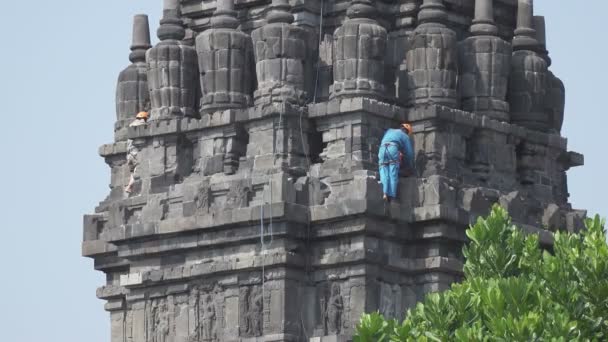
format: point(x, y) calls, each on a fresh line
point(393, 142)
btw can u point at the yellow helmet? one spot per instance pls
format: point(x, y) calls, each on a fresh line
point(407, 127)
point(142, 115)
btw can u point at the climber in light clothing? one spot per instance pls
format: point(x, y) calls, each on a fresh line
point(132, 161)
point(395, 144)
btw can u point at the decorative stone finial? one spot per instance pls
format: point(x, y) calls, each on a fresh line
point(525, 35)
point(141, 38)
point(225, 69)
point(224, 15)
point(279, 12)
point(483, 23)
point(539, 27)
point(171, 26)
point(172, 68)
point(280, 56)
point(432, 59)
point(359, 47)
point(485, 63)
point(361, 9)
point(432, 11)
point(541, 37)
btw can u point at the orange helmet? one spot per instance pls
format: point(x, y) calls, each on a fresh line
point(142, 115)
point(407, 127)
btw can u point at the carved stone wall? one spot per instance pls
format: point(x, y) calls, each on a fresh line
point(264, 221)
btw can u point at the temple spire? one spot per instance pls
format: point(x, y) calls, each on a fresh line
point(483, 23)
point(279, 12)
point(432, 11)
point(361, 9)
point(141, 39)
point(172, 68)
point(525, 35)
point(432, 59)
point(541, 37)
point(224, 15)
point(171, 26)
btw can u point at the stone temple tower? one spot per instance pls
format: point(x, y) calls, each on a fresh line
point(256, 213)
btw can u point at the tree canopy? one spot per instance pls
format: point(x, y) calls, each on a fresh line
point(513, 290)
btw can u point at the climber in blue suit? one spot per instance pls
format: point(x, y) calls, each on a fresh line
point(395, 146)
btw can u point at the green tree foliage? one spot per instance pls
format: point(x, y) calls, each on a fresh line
point(513, 290)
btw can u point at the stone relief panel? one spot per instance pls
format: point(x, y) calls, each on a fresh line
point(206, 311)
point(332, 310)
point(251, 306)
point(390, 304)
point(159, 319)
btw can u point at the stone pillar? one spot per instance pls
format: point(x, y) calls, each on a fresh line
point(132, 94)
point(528, 83)
point(172, 68)
point(359, 47)
point(555, 98)
point(225, 62)
point(432, 58)
point(485, 61)
point(280, 53)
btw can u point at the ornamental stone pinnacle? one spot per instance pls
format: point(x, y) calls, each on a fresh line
point(172, 69)
point(485, 62)
point(528, 85)
point(432, 58)
point(132, 94)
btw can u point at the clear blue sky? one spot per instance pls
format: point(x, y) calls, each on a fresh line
point(60, 60)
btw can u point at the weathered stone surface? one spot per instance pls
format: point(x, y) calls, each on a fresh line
point(265, 221)
point(280, 54)
point(555, 97)
point(432, 58)
point(528, 84)
point(172, 69)
point(485, 62)
point(225, 61)
point(359, 47)
point(132, 94)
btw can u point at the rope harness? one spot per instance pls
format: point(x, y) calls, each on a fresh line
point(386, 153)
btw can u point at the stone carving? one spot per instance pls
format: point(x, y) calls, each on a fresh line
point(359, 47)
point(280, 52)
point(238, 196)
point(194, 314)
point(158, 320)
point(172, 68)
point(161, 323)
point(485, 61)
point(530, 163)
point(555, 97)
point(251, 311)
point(202, 301)
point(132, 94)
point(202, 199)
point(479, 154)
point(390, 300)
point(225, 61)
point(209, 331)
point(432, 58)
point(528, 83)
point(333, 307)
point(235, 143)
